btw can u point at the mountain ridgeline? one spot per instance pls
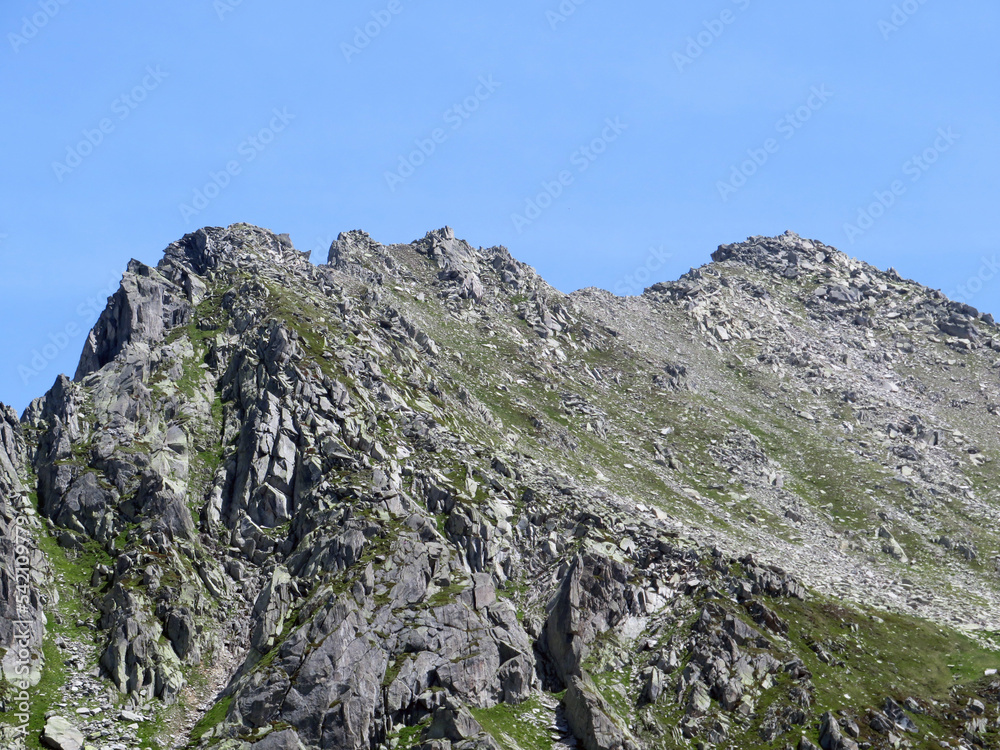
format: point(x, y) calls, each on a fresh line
point(417, 498)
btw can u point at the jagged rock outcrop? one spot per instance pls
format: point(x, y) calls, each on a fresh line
point(145, 307)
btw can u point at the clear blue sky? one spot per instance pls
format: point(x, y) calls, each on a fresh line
point(514, 98)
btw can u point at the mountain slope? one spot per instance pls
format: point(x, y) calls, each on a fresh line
point(417, 497)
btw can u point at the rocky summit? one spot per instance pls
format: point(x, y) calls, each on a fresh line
point(415, 497)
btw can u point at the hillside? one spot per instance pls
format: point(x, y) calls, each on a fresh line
point(416, 497)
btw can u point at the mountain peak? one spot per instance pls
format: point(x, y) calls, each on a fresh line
point(236, 245)
point(414, 497)
point(786, 254)
point(352, 247)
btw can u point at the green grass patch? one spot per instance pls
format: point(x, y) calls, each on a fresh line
point(215, 716)
point(407, 737)
point(447, 595)
point(521, 727)
point(886, 654)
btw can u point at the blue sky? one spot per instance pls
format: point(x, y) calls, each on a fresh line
point(604, 144)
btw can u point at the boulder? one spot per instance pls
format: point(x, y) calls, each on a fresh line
point(61, 734)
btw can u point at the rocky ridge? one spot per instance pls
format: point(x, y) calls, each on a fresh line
point(416, 497)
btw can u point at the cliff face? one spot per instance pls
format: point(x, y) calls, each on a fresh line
point(417, 497)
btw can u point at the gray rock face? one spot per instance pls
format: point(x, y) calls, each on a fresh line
point(590, 717)
point(352, 248)
point(287, 739)
point(457, 261)
point(831, 738)
point(181, 632)
point(12, 452)
point(164, 508)
point(84, 508)
point(138, 659)
point(453, 725)
point(145, 307)
point(270, 610)
point(591, 601)
point(409, 497)
point(898, 716)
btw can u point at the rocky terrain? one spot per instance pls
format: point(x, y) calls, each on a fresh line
point(415, 497)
